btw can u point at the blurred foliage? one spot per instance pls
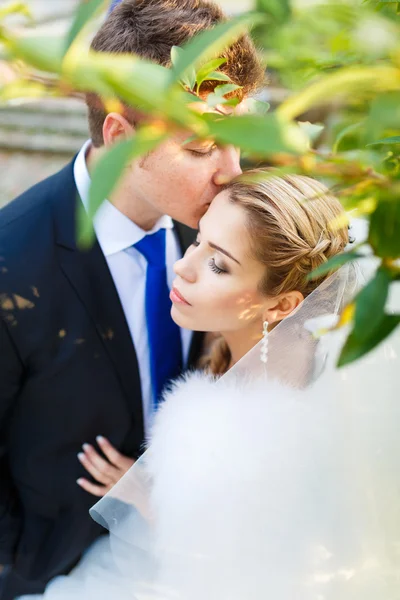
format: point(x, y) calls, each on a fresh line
point(339, 62)
point(307, 38)
point(335, 63)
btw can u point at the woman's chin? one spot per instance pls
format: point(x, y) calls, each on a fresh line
point(179, 318)
point(183, 320)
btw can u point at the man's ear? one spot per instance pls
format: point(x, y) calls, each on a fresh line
point(282, 306)
point(116, 128)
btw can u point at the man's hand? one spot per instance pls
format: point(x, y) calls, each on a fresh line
point(105, 472)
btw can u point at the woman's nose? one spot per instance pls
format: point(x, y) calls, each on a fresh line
point(184, 269)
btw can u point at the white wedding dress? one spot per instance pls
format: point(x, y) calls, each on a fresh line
point(254, 489)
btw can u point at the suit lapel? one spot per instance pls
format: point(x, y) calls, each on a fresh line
point(186, 237)
point(88, 273)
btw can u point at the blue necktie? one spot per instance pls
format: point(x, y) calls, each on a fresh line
point(164, 334)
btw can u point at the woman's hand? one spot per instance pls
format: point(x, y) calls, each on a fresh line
point(105, 472)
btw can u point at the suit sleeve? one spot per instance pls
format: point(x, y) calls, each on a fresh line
point(11, 374)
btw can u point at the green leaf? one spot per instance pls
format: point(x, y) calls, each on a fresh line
point(23, 90)
point(312, 130)
point(384, 231)
point(218, 97)
point(141, 84)
point(16, 8)
point(371, 324)
point(216, 76)
point(210, 66)
point(41, 52)
point(138, 82)
point(258, 107)
point(258, 135)
point(228, 88)
point(349, 130)
point(355, 348)
point(212, 42)
point(278, 9)
point(107, 172)
point(370, 305)
point(85, 229)
point(347, 82)
point(333, 264)
point(383, 117)
point(85, 11)
point(395, 139)
point(234, 101)
point(188, 78)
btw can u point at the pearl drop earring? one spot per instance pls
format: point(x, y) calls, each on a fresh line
point(264, 343)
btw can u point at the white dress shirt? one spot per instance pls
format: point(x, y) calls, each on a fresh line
point(116, 235)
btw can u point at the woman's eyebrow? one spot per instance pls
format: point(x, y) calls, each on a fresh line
point(218, 248)
point(223, 252)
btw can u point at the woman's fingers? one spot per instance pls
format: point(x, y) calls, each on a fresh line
point(104, 472)
point(117, 459)
point(91, 488)
point(97, 474)
point(100, 463)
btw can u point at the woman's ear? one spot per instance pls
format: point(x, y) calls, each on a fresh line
point(116, 128)
point(282, 306)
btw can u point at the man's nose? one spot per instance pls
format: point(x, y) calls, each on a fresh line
point(229, 166)
point(185, 269)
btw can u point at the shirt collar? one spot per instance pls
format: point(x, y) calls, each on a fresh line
point(114, 231)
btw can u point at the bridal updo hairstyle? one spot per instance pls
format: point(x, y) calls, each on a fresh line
point(295, 226)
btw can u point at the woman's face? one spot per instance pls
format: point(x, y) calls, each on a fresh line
point(216, 288)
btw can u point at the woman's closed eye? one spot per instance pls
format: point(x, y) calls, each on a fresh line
point(215, 268)
point(219, 270)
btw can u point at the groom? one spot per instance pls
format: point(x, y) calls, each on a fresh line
point(82, 348)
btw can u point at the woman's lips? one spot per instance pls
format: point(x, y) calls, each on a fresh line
point(177, 298)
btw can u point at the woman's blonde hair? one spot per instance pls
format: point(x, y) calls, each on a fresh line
point(295, 225)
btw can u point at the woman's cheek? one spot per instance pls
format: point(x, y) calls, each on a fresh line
point(246, 305)
point(231, 302)
point(220, 293)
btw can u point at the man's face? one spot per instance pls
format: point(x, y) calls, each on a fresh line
point(182, 176)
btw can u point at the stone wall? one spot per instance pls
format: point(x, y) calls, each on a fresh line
point(37, 139)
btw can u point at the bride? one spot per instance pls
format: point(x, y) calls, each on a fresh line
point(268, 475)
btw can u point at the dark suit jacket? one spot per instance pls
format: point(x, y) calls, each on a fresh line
point(68, 372)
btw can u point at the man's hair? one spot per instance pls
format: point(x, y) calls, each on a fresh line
point(149, 29)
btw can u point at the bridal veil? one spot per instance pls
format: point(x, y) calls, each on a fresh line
point(279, 481)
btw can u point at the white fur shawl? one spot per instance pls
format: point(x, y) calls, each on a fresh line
point(236, 488)
point(260, 492)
